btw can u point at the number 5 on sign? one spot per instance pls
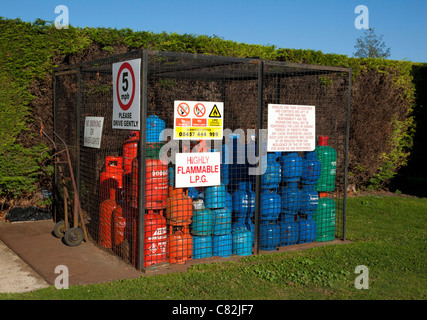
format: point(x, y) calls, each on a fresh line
point(126, 94)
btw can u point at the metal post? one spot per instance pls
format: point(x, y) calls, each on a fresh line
point(78, 129)
point(259, 146)
point(142, 162)
point(347, 137)
point(55, 124)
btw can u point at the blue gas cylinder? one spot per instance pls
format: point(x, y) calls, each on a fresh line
point(289, 232)
point(154, 129)
point(269, 236)
point(171, 176)
point(273, 173)
point(202, 247)
point(225, 165)
point(222, 221)
point(311, 168)
point(215, 197)
point(309, 199)
point(229, 201)
point(291, 198)
point(192, 192)
point(307, 229)
point(292, 166)
point(250, 226)
point(239, 223)
point(222, 245)
point(242, 242)
point(271, 204)
point(202, 220)
point(244, 200)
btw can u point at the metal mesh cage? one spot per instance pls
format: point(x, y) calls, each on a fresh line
point(132, 202)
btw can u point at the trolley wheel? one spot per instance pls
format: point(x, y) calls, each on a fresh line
point(59, 229)
point(73, 236)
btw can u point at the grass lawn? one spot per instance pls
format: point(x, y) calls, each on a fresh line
point(388, 234)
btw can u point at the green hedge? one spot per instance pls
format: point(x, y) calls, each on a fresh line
point(29, 51)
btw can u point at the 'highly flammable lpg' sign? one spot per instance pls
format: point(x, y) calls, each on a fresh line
point(197, 169)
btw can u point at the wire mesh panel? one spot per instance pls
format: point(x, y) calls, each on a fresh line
point(196, 181)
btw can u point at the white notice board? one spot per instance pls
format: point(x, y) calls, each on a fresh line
point(93, 132)
point(291, 128)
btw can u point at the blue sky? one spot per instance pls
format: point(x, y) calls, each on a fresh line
point(325, 25)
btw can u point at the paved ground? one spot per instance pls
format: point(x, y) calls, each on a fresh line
point(16, 275)
point(30, 253)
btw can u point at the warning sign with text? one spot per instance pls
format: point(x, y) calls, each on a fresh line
point(126, 95)
point(197, 169)
point(198, 120)
point(291, 128)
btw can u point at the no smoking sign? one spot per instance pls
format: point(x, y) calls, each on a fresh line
point(126, 94)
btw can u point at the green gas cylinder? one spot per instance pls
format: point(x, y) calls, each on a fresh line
point(328, 171)
point(325, 218)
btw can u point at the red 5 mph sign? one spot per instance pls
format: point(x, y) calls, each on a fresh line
point(126, 94)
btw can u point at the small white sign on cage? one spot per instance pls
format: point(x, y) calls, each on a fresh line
point(93, 132)
point(200, 169)
point(291, 128)
point(126, 95)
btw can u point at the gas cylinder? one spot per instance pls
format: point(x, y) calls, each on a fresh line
point(242, 242)
point(156, 184)
point(225, 165)
point(325, 218)
point(289, 232)
point(111, 178)
point(307, 229)
point(222, 221)
point(269, 236)
point(179, 208)
point(119, 226)
point(154, 129)
point(179, 245)
point(273, 174)
point(222, 245)
point(244, 200)
point(291, 198)
point(215, 197)
point(155, 239)
point(171, 176)
point(106, 209)
point(130, 150)
point(202, 247)
point(328, 159)
point(202, 220)
point(271, 204)
point(309, 199)
point(192, 192)
point(229, 201)
point(311, 168)
point(292, 166)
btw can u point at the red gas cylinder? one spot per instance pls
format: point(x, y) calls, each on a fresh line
point(130, 151)
point(179, 245)
point(179, 208)
point(119, 225)
point(155, 239)
point(156, 184)
point(105, 222)
point(111, 178)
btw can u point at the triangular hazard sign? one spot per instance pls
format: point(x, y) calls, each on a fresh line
point(215, 112)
